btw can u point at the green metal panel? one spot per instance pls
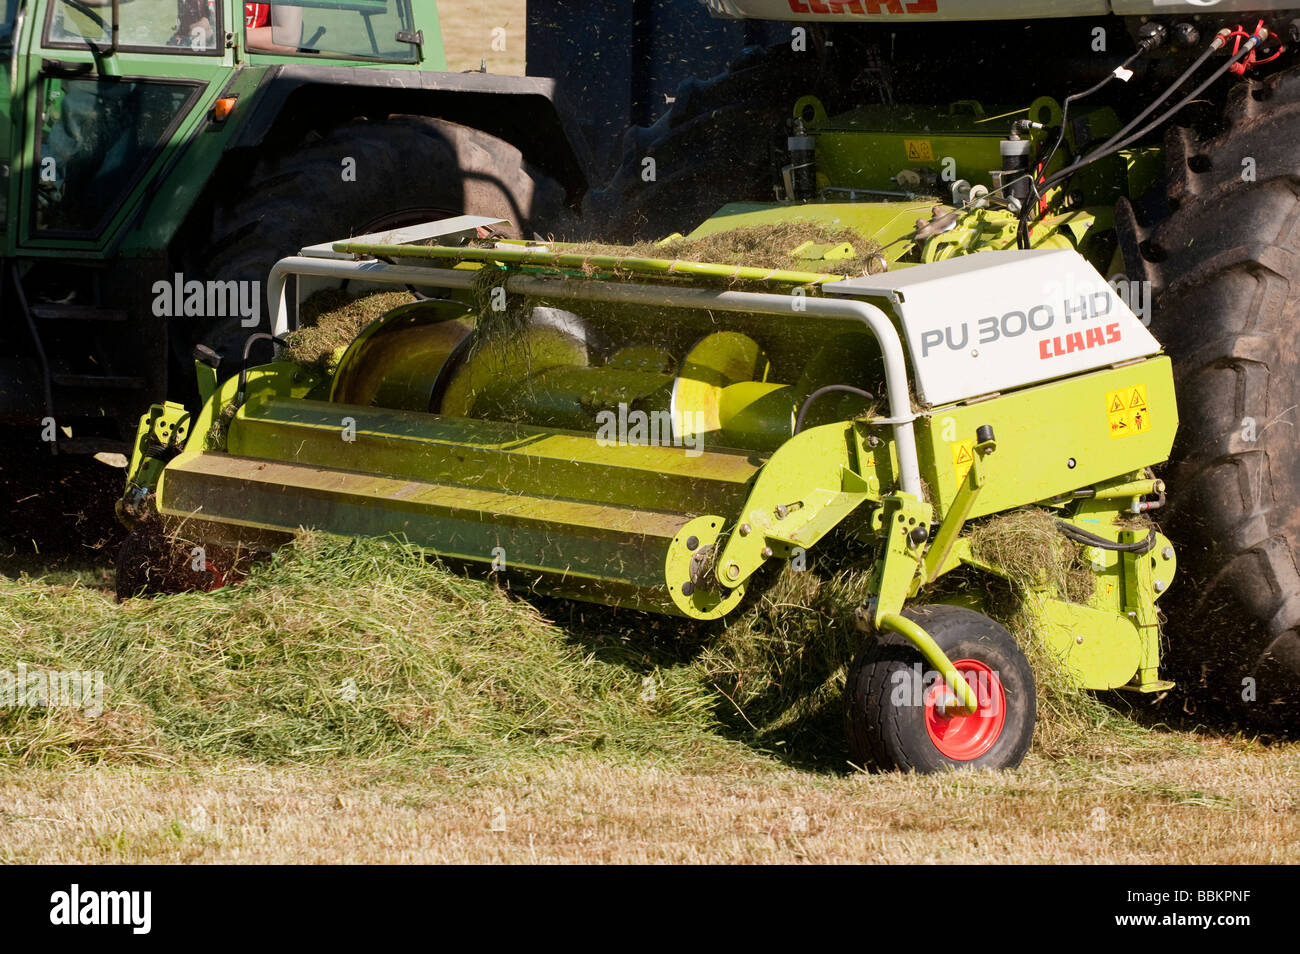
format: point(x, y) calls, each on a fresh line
point(1052, 439)
point(490, 454)
point(865, 147)
point(1101, 649)
point(179, 186)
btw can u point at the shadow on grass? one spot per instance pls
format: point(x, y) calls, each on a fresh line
point(61, 521)
point(775, 667)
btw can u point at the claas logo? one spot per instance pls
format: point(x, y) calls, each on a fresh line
point(864, 6)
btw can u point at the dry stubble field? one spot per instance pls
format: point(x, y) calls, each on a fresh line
point(1229, 804)
point(467, 27)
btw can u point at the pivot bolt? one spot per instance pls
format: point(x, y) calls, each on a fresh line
point(688, 588)
point(767, 552)
point(692, 542)
point(1158, 586)
point(1167, 553)
point(1079, 640)
point(733, 571)
point(744, 529)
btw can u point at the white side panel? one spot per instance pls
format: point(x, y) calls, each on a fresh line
point(1152, 7)
point(995, 321)
point(867, 10)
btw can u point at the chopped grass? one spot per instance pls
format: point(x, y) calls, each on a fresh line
point(758, 246)
point(367, 651)
point(352, 696)
point(500, 322)
point(335, 649)
point(329, 319)
point(1026, 545)
point(780, 664)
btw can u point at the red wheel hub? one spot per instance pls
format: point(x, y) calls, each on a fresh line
point(218, 578)
point(964, 738)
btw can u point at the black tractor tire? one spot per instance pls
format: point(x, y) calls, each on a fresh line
point(407, 169)
point(711, 147)
point(889, 714)
point(1225, 271)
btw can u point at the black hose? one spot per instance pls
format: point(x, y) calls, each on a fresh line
point(1078, 535)
point(1111, 146)
point(807, 403)
point(1169, 91)
point(1119, 141)
point(1075, 97)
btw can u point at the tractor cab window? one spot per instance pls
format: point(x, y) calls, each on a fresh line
point(342, 29)
point(181, 26)
point(97, 138)
point(8, 14)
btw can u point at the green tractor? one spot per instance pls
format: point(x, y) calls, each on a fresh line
point(161, 155)
point(1158, 140)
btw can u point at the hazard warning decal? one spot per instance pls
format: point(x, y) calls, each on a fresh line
point(1127, 412)
point(919, 150)
point(963, 455)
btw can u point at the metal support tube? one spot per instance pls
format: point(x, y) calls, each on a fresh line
point(937, 658)
point(370, 271)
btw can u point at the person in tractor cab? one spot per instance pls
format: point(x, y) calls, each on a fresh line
point(261, 26)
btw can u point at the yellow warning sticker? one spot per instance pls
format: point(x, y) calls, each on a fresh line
point(963, 455)
point(919, 150)
point(1127, 411)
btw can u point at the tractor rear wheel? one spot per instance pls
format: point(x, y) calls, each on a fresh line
point(712, 146)
point(893, 706)
point(363, 176)
point(1225, 267)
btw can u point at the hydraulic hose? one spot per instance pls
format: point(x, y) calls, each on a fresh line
point(1073, 98)
point(1112, 146)
point(1079, 535)
point(828, 389)
point(1116, 143)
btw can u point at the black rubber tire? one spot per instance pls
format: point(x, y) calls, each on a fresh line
point(407, 168)
point(1225, 268)
point(710, 148)
point(886, 731)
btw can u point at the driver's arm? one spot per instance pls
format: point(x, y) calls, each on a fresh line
point(286, 23)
